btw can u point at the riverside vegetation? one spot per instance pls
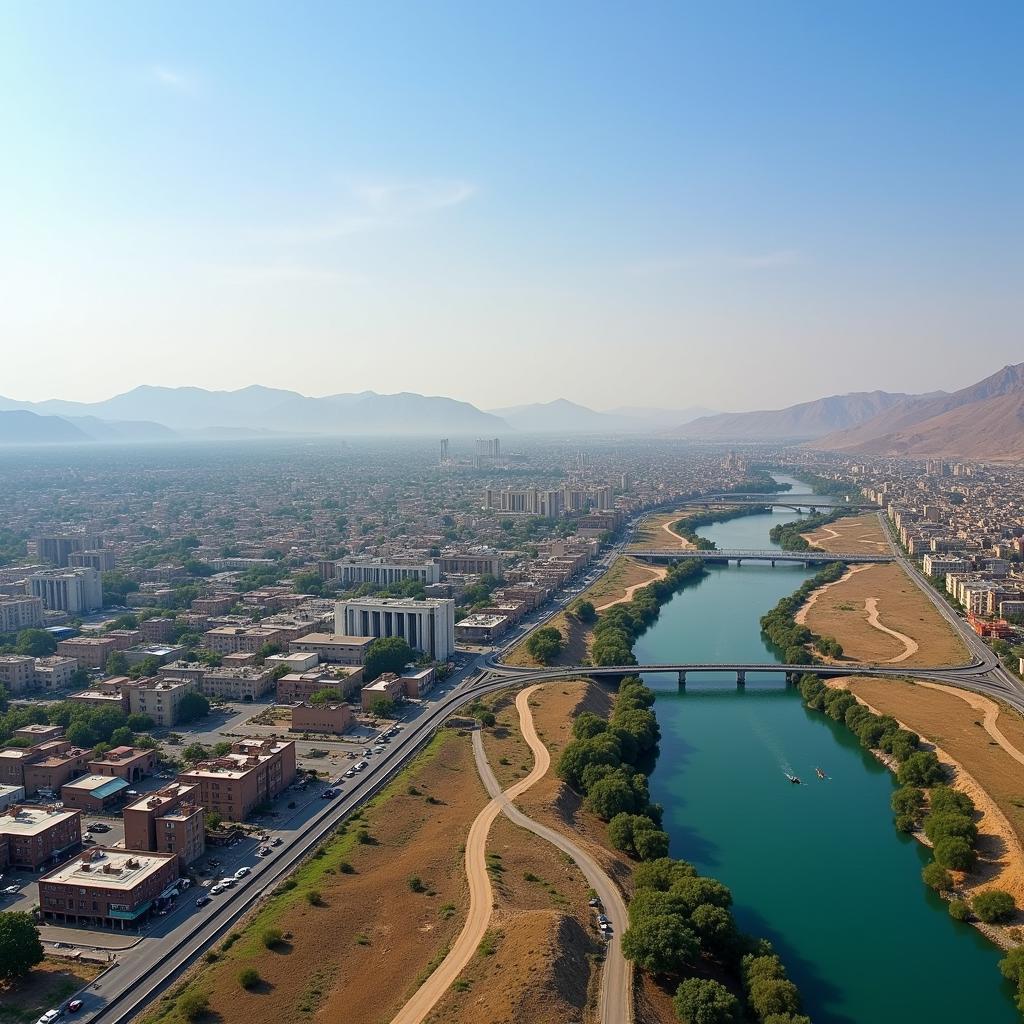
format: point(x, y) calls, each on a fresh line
point(681, 928)
point(793, 639)
point(789, 535)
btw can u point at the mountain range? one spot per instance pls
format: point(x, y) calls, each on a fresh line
point(564, 417)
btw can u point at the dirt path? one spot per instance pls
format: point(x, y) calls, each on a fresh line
point(657, 573)
point(910, 645)
point(991, 712)
point(683, 542)
point(801, 616)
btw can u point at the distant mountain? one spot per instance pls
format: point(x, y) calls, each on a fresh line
point(261, 410)
point(123, 430)
point(984, 421)
point(17, 426)
point(802, 422)
point(564, 417)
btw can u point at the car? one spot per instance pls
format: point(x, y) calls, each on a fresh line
point(74, 1006)
point(164, 775)
point(242, 871)
point(351, 755)
point(350, 773)
point(214, 862)
point(265, 851)
point(87, 838)
point(184, 883)
point(601, 919)
point(49, 1017)
point(276, 841)
point(329, 794)
point(378, 750)
point(201, 901)
point(98, 826)
point(227, 883)
point(11, 890)
point(215, 890)
point(594, 902)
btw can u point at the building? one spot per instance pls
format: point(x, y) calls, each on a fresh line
point(17, 672)
point(17, 613)
point(297, 661)
point(484, 563)
point(383, 572)
point(193, 672)
point(530, 501)
point(385, 687)
point(248, 683)
point(242, 639)
point(123, 638)
point(75, 591)
point(419, 682)
point(334, 648)
point(170, 820)
point(31, 837)
point(328, 718)
point(301, 686)
point(129, 763)
point(158, 698)
point(55, 672)
point(106, 887)
point(88, 651)
point(10, 795)
point(58, 549)
point(254, 773)
point(481, 628)
point(51, 764)
point(93, 793)
point(427, 625)
point(160, 653)
point(101, 560)
point(159, 629)
point(104, 698)
point(37, 733)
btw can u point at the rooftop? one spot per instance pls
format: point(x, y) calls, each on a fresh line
point(113, 869)
point(334, 638)
point(20, 820)
point(100, 786)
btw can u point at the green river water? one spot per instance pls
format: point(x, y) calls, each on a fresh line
point(817, 868)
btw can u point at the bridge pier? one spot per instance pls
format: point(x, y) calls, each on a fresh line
point(741, 678)
point(739, 561)
point(682, 679)
point(773, 563)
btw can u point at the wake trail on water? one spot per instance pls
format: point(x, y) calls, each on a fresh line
point(771, 742)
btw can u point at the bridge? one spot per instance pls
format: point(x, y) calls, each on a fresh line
point(740, 556)
point(815, 502)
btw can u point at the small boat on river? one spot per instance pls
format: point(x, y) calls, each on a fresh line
point(793, 778)
point(820, 773)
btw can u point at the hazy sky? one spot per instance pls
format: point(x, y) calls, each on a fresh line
point(715, 203)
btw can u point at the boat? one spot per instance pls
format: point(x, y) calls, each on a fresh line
point(820, 773)
point(793, 778)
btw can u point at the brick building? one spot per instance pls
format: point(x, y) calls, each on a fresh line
point(170, 820)
point(31, 837)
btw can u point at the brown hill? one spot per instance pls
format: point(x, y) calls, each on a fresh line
point(983, 421)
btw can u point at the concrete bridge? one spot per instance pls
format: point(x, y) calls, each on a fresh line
point(778, 500)
point(740, 556)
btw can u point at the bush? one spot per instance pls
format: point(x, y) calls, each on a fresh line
point(948, 800)
point(416, 884)
point(955, 853)
point(944, 825)
point(313, 898)
point(958, 910)
point(249, 977)
point(703, 1001)
point(192, 1005)
point(993, 906)
point(545, 644)
point(660, 944)
point(936, 877)
point(907, 800)
point(921, 769)
point(774, 995)
point(271, 937)
point(906, 823)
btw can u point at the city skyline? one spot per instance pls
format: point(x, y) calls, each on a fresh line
point(695, 191)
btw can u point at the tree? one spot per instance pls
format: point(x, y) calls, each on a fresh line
point(383, 707)
point(773, 995)
point(328, 695)
point(194, 752)
point(661, 874)
point(907, 800)
point(921, 769)
point(587, 725)
point(221, 748)
point(79, 734)
point(20, 948)
point(545, 645)
point(80, 678)
point(703, 1001)
point(35, 642)
point(993, 905)
point(715, 928)
point(584, 611)
point(651, 843)
point(692, 892)
point(955, 853)
point(660, 944)
point(943, 824)
point(936, 877)
point(140, 723)
point(386, 654)
point(193, 706)
point(945, 798)
point(122, 736)
point(1012, 965)
point(610, 796)
point(577, 755)
point(213, 820)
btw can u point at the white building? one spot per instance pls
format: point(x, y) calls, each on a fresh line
point(68, 590)
point(383, 572)
point(18, 613)
point(427, 626)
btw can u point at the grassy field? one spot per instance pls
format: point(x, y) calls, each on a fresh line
point(844, 611)
point(861, 535)
point(47, 986)
point(655, 533)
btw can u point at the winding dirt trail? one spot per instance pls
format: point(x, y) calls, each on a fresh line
point(801, 616)
point(683, 542)
point(616, 997)
point(910, 645)
point(990, 711)
point(657, 573)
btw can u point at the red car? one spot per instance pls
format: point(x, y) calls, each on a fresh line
point(74, 1006)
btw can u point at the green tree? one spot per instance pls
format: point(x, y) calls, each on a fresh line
point(660, 944)
point(955, 853)
point(221, 748)
point(587, 725)
point(122, 736)
point(35, 642)
point(140, 723)
point(703, 1001)
point(773, 995)
point(907, 800)
point(921, 769)
point(79, 734)
point(651, 843)
point(386, 654)
point(193, 706)
point(383, 707)
point(947, 799)
point(993, 906)
point(194, 752)
point(661, 874)
point(1012, 965)
point(715, 928)
point(943, 824)
point(584, 611)
point(936, 877)
point(20, 948)
point(610, 796)
point(545, 644)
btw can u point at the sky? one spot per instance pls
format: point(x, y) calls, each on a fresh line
point(718, 203)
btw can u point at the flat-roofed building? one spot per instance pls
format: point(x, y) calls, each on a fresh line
point(129, 763)
point(124, 638)
point(427, 625)
point(327, 718)
point(385, 687)
point(160, 653)
point(10, 795)
point(419, 682)
point(250, 683)
point(93, 793)
point(242, 639)
point(159, 629)
point(158, 698)
point(297, 661)
point(17, 672)
point(107, 887)
point(75, 591)
point(54, 763)
point(101, 699)
point(481, 628)
point(102, 560)
point(170, 820)
point(36, 836)
point(335, 648)
point(472, 563)
point(17, 613)
point(88, 651)
point(188, 671)
point(385, 572)
point(254, 773)
point(36, 732)
point(54, 673)
point(302, 685)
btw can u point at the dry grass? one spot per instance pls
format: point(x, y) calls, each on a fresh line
point(957, 729)
point(45, 987)
point(655, 533)
point(860, 535)
point(841, 612)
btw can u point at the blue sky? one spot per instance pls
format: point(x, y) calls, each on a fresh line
point(718, 203)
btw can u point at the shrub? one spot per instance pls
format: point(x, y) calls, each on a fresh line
point(192, 1005)
point(993, 905)
point(774, 995)
point(907, 800)
point(958, 910)
point(943, 825)
point(346, 869)
point(906, 823)
point(416, 884)
point(271, 937)
point(705, 1001)
point(946, 799)
point(249, 977)
point(921, 769)
point(955, 853)
point(313, 898)
point(936, 877)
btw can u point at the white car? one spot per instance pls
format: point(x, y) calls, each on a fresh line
point(49, 1017)
point(227, 883)
point(216, 890)
point(11, 890)
point(242, 872)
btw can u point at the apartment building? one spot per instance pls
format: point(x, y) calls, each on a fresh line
point(481, 628)
point(128, 763)
point(158, 698)
point(54, 673)
point(427, 625)
point(75, 591)
point(102, 560)
point(33, 836)
point(484, 563)
point(301, 686)
point(58, 549)
point(51, 764)
point(334, 648)
point(17, 613)
point(242, 639)
point(531, 501)
point(327, 718)
point(247, 683)
point(255, 772)
point(170, 820)
point(385, 687)
point(93, 793)
point(17, 672)
point(88, 651)
point(383, 572)
point(106, 887)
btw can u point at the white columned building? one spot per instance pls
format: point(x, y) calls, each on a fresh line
point(427, 626)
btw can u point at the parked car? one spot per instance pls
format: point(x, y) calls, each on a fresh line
point(329, 794)
point(11, 890)
point(242, 872)
point(265, 851)
point(98, 826)
point(204, 899)
point(350, 773)
point(215, 890)
point(87, 838)
point(277, 840)
point(49, 1017)
point(594, 902)
point(227, 883)
point(74, 1006)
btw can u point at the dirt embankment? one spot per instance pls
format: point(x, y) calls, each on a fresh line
point(859, 535)
point(357, 937)
point(879, 615)
point(980, 742)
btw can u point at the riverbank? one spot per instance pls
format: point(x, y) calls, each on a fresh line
point(982, 744)
point(859, 535)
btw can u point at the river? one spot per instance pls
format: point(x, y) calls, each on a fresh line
point(817, 868)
